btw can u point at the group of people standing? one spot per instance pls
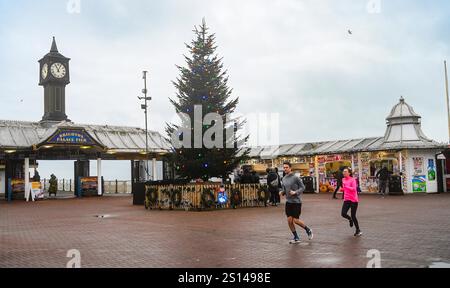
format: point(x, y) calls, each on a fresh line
point(246, 176)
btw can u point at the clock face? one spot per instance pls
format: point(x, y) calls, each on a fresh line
point(44, 71)
point(58, 70)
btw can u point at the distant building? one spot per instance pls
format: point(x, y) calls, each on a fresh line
point(404, 149)
point(55, 137)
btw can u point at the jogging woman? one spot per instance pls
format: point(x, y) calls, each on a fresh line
point(351, 200)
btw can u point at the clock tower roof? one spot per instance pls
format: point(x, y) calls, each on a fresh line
point(54, 48)
point(54, 53)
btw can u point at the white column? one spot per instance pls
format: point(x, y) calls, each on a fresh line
point(359, 169)
point(27, 179)
point(99, 175)
point(316, 170)
point(155, 177)
point(443, 163)
point(353, 163)
point(400, 164)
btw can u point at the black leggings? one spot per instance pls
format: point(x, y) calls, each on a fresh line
point(354, 207)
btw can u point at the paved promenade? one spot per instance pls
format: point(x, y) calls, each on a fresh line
point(409, 231)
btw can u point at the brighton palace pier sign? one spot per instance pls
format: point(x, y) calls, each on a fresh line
point(75, 137)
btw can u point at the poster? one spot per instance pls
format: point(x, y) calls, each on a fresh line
point(418, 165)
point(419, 184)
point(431, 170)
point(36, 191)
point(18, 185)
point(89, 186)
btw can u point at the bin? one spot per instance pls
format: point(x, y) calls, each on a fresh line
point(395, 185)
point(309, 184)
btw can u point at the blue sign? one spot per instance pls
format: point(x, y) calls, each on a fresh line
point(223, 198)
point(77, 137)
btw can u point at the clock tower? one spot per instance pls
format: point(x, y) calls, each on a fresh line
point(54, 76)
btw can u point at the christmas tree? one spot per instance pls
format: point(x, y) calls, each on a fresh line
point(202, 89)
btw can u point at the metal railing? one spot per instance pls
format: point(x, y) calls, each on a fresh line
point(110, 186)
point(117, 187)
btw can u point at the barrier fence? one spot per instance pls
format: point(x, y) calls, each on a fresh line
point(205, 196)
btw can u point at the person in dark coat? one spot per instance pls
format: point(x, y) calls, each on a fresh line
point(36, 177)
point(339, 176)
point(383, 177)
point(246, 177)
point(273, 182)
point(255, 178)
point(53, 185)
point(280, 186)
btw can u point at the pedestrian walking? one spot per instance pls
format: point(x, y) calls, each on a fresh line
point(338, 176)
point(383, 177)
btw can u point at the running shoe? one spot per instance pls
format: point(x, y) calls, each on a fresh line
point(351, 223)
point(358, 234)
point(295, 241)
point(310, 234)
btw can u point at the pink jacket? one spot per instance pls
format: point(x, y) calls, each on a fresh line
point(350, 189)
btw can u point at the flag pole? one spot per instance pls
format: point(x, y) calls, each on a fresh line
point(447, 97)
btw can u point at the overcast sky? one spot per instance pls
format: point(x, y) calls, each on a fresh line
point(290, 57)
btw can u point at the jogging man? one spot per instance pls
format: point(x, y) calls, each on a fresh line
point(293, 188)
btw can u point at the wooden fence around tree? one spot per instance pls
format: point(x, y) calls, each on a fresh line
point(199, 197)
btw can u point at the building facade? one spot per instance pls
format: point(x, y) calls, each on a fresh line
point(404, 150)
point(55, 137)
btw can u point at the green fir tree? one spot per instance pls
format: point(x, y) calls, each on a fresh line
point(203, 82)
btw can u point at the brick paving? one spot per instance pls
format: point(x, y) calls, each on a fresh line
point(409, 231)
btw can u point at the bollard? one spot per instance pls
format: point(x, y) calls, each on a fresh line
point(9, 190)
point(78, 192)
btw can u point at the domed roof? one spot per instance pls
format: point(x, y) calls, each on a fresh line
point(404, 125)
point(402, 110)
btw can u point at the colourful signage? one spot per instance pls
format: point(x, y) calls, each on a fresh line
point(18, 185)
point(36, 190)
point(77, 137)
point(419, 183)
point(431, 170)
point(89, 186)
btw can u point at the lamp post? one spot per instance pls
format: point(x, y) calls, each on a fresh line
point(145, 108)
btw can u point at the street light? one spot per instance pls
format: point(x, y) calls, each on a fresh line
point(145, 108)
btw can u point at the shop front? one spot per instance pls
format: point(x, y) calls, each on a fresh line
point(329, 168)
point(372, 163)
point(415, 163)
point(422, 168)
point(302, 166)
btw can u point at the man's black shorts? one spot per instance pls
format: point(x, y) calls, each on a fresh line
point(294, 210)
